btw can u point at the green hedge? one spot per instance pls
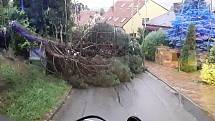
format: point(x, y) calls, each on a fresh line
point(152, 40)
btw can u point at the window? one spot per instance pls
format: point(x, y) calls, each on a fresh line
point(102, 18)
point(123, 20)
point(109, 18)
point(133, 34)
point(144, 20)
point(122, 5)
point(131, 5)
point(116, 19)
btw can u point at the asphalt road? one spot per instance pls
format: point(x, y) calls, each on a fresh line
point(145, 97)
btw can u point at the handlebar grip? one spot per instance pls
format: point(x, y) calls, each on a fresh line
point(90, 117)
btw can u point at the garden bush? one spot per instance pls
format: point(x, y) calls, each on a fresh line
point(150, 43)
point(208, 69)
point(188, 59)
point(211, 58)
point(208, 73)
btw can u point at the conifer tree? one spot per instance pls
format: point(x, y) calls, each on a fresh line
point(188, 55)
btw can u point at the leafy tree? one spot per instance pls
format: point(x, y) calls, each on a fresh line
point(188, 55)
point(106, 33)
point(4, 3)
point(141, 34)
point(150, 43)
point(196, 12)
point(49, 17)
point(102, 11)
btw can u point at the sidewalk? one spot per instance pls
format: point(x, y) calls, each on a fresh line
point(203, 95)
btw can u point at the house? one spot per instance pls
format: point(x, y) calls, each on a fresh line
point(129, 14)
point(163, 21)
point(87, 17)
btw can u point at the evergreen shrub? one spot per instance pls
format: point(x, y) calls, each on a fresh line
point(188, 59)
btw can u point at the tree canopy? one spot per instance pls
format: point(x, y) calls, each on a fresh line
point(198, 13)
point(49, 17)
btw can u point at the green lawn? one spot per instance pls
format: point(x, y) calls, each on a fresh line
point(30, 94)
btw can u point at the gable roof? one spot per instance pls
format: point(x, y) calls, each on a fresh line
point(85, 17)
point(122, 12)
point(163, 20)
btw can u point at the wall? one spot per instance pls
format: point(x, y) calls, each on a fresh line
point(153, 10)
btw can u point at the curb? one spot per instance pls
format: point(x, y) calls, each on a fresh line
point(198, 111)
point(49, 116)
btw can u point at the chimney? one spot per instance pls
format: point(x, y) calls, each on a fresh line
point(177, 7)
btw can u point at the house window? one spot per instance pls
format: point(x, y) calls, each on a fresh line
point(144, 20)
point(133, 34)
point(116, 19)
point(109, 18)
point(122, 5)
point(131, 5)
point(102, 18)
point(123, 20)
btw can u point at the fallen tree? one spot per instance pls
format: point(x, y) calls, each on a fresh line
point(91, 55)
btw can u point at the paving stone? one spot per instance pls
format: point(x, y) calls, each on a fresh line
point(203, 95)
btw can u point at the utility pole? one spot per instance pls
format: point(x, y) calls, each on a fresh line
point(144, 31)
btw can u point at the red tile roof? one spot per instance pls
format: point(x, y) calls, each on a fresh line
point(122, 12)
point(84, 17)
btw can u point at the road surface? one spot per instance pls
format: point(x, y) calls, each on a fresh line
point(145, 97)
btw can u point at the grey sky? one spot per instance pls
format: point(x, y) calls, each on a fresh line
point(107, 3)
point(96, 4)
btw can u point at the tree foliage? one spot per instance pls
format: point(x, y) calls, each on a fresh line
point(208, 69)
point(50, 17)
point(141, 34)
point(211, 58)
point(103, 32)
point(198, 13)
point(4, 3)
point(152, 40)
point(208, 73)
point(188, 55)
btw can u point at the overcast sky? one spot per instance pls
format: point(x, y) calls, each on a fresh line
point(96, 4)
point(107, 3)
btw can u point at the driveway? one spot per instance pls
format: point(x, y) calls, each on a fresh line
point(145, 97)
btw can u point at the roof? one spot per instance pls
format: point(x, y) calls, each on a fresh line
point(85, 17)
point(164, 20)
point(122, 12)
point(167, 3)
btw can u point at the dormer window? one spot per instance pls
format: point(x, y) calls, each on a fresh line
point(109, 18)
point(122, 5)
point(116, 19)
point(123, 20)
point(131, 5)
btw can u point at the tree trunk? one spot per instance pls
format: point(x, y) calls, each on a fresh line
point(56, 32)
point(61, 33)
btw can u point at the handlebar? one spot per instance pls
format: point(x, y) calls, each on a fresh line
point(91, 117)
point(133, 118)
